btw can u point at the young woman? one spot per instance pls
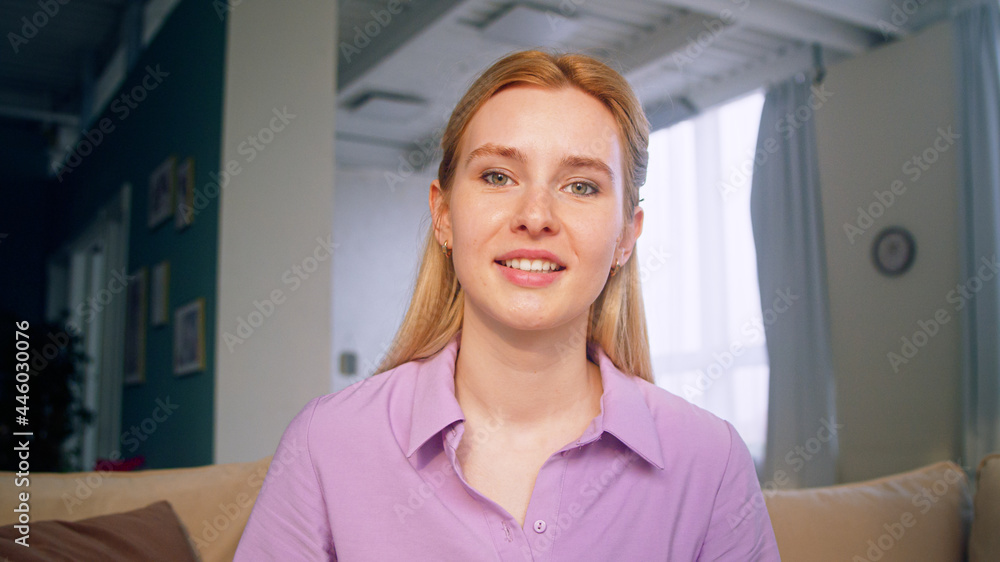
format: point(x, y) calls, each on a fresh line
point(515, 416)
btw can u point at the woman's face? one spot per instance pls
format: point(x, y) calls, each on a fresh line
point(538, 186)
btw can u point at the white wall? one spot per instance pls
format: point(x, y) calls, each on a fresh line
point(273, 211)
point(885, 109)
point(380, 230)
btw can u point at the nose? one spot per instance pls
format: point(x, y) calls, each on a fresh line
point(535, 212)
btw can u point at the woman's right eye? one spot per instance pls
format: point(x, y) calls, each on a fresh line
point(496, 178)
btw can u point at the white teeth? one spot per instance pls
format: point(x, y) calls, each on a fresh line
point(531, 265)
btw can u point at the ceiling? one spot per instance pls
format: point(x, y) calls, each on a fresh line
point(44, 68)
point(402, 64)
point(681, 56)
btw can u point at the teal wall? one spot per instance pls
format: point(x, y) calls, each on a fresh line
point(181, 115)
point(25, 226)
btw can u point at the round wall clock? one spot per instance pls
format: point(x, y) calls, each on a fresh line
point(894, 251)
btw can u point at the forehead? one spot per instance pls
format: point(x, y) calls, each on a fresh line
point(546, 122)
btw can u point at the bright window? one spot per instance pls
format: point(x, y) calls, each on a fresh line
point(699, 270)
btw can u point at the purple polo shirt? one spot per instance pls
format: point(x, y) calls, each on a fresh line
point(369, 473)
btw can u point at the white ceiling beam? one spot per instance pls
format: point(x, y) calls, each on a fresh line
point(931, 12)
point(711, 93)
point(412, 21)
point(690, 32)
point(888, 18)
point(864, 13)
point(783, 20)
point(42, 116)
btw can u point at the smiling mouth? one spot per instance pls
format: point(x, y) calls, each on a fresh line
point(536, 266)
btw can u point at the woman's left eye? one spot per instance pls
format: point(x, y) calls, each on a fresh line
point(582, 188)
point(496, 178)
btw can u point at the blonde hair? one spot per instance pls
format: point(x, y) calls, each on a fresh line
point(617, 321)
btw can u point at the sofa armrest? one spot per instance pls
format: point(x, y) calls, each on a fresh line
point(984, 540)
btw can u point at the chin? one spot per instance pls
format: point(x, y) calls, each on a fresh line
point(535, 322)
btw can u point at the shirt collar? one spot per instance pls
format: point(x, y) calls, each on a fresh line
point(624, 412)
point(434, 404)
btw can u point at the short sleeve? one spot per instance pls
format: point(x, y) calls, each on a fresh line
point(289, 520)
point(740, 528)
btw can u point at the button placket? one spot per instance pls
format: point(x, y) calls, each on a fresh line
point(543, 510)
point(509, 539)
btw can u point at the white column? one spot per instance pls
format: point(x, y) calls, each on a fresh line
point(273, 337)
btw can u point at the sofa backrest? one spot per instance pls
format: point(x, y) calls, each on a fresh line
point(213, 502)
point(918, 515)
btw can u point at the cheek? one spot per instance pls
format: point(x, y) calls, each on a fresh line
point(469, 233)
point(596, 241)
point(465, 229)
point(474, 221)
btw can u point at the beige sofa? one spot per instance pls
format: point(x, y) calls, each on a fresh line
point(925, 515)
point(920, 516)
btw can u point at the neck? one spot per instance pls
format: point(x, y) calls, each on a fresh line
point(526, 379)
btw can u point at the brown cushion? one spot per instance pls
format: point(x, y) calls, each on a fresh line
point(918, 515)
point(984, 540)
point(150, 533)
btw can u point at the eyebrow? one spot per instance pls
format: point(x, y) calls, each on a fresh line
point(491, 149)
point(588, 162)
point(512, 153)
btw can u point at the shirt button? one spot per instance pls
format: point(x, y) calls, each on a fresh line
point(539, 526)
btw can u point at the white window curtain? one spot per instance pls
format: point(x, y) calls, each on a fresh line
point(977, 33)
point(791, 261)
point(80, 272)
point(698, 268)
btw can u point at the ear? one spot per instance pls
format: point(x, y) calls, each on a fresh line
point(440, 214)
point(631, 234)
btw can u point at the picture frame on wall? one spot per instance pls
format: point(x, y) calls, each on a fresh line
point(189, 338)
point(134, 369)
point(159, 294)
point(161, 192)
point(184, 214)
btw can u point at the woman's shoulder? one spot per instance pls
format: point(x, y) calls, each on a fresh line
point(370, 395)
point(367, 415)
point(680, 423)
